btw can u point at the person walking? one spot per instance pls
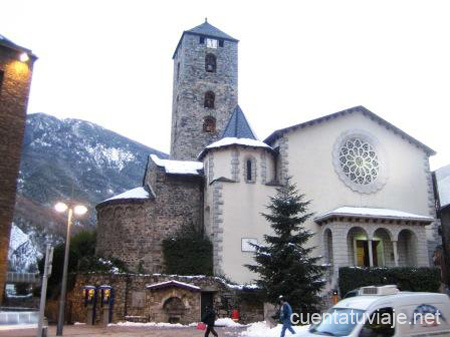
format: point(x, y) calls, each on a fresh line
point(209, 319)
point(285, 316)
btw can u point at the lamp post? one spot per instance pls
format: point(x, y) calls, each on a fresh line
point(71, 209)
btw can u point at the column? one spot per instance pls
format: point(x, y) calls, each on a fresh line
point(370, 242)
point(394, 247)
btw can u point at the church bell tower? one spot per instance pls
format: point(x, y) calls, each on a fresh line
point(205, 89)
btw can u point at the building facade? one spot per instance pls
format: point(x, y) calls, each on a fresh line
point(16, 66)
point(368, 181)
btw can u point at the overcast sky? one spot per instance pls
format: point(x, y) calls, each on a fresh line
point(110, 62)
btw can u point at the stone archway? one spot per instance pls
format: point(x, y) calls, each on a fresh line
point(174, 309)
point(407, 248)
point(358, 253)
point(384, 248)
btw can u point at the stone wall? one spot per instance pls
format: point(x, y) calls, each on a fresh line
point(15, 80)
point(134, 302)
point(133, 230)
point(190, 83)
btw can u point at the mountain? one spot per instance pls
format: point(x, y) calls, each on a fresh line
point(68, 159)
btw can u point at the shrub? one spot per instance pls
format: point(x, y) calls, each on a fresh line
point(406, 278)
point(189, 252)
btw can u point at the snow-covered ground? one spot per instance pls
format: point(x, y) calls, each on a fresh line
point(258, 329)
point(262, 329)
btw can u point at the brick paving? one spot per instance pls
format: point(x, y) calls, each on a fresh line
point(91, 331)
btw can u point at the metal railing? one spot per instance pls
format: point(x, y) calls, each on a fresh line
point(31, 278)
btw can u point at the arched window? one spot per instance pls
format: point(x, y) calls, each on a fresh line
point(209, 124)
point(210, 63)
point(250, 170)
point(209, 99)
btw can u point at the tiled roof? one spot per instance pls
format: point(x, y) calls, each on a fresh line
point(238, 126)
point(357, 109)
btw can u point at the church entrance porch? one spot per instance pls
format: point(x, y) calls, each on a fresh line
point(352, 238)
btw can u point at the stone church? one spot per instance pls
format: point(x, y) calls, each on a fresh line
point(368, 181)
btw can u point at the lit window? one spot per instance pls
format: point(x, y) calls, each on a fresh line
point(209, 99)
point(210, 63)
point(211, 43)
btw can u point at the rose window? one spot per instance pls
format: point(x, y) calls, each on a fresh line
point(359, 161)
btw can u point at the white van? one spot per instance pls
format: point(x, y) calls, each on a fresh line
point(385, 311)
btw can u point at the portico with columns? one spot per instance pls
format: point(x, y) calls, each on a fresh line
point(365, 237)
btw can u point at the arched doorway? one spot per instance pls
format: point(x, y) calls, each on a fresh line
point(407, 248)
point(384, 249)
point(358, 247)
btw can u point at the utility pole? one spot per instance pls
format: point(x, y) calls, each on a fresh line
point(47, 273)
point(62, 302)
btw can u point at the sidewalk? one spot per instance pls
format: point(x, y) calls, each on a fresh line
point(95, 331)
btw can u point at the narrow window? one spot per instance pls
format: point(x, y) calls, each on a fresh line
point(249, 170)
point(209, 124)
point(1, 80)
point(209, 99)
point(202, 39)
point(210, 63)
point(178, 71)
point(221, 43)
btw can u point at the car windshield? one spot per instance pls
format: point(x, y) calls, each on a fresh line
point(338, 322)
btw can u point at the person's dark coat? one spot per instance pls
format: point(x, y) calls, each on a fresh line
point(210, 317)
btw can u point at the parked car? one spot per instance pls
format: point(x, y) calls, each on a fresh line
point(385, 311)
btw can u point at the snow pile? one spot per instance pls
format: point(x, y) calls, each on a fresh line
point(178, 166)
point(262, 329)
point(228, 322)
point(135, 193)
point(149, 324)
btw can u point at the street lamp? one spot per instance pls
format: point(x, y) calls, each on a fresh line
point(62, 207)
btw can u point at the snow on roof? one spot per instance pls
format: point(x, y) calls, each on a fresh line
point(178, 166)
point(365, 212)
point(135, 193)
point(230, 141)
point(172, 283)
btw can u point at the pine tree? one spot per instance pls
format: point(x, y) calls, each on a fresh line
point(283, 263)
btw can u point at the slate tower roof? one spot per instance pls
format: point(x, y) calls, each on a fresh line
point(209, 30)
point(238, 126)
